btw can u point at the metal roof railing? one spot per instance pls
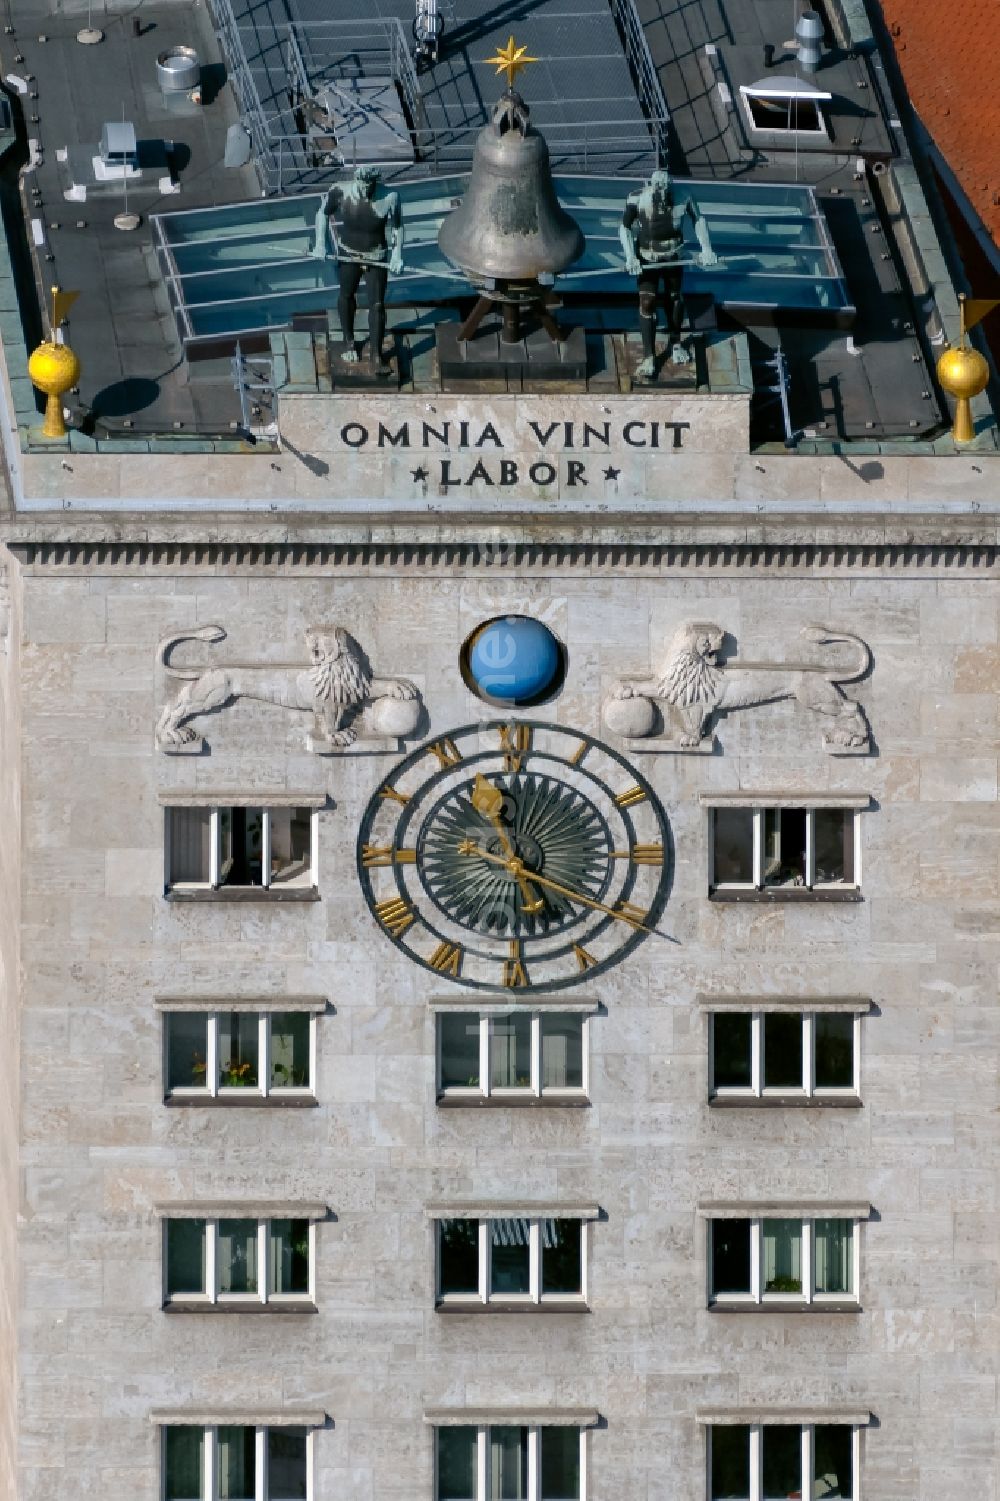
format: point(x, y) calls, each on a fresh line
point(646, 77)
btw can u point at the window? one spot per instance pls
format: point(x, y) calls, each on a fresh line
point(212, 848)
point(236, 1463)
point(523, 1054)
point(788, 105)
point(510, 1463)
point(771, 1260)
point(238, 1261)
point(772, 1461)
point(811, 1054)
point(511, 1261)
point(783, 851)
point(236, 1054)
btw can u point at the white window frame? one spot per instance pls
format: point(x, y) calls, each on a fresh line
point(215, 871)
point(816, 97)
point(757, 884)
point(808, 1296)
point(535, 1090)
point(482, 1483)
point(212, 1297)
point(808, 1440)
point(534, 1297)
point(807, 1089)
point(210, 1472)
point(212, 1089)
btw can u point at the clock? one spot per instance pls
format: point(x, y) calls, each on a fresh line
point(515, 855)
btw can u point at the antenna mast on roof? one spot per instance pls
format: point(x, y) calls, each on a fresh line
point(125, 220)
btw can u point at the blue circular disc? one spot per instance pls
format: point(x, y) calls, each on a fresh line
point(514, 660)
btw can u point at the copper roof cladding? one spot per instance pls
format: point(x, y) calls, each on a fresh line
point(947, 56)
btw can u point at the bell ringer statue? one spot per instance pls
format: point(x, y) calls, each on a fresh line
point(370, 244)
point(652, 238)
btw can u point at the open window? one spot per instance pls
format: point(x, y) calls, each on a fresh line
point(785, 105)
point(212, 848)
point(785, 851)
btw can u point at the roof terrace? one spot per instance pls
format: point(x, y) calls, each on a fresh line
point(198, 330)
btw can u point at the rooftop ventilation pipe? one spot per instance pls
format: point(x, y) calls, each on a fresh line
point(809, 35)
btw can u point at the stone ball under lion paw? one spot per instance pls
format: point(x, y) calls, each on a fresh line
point(394, 716)
point(630, 717)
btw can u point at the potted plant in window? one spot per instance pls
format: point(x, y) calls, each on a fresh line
point(285, 1076)
point(236, 1075)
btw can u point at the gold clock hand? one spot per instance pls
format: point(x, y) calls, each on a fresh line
point(470, 847)
point(487, 801)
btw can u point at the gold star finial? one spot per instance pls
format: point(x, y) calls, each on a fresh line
point(510, 60)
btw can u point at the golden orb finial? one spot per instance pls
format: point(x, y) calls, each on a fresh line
point(510, 60)
point(54, 368)
point(963, 373)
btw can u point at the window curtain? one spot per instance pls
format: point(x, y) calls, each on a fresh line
point(237, 1256)
point(510, 1259)
point(190, 829)
point(562, 1052)
point(782, 1256)
point(511, 1053)
point(516, 1232)
point(834, 1256)
point(508, 1464)
point(237, 1464)
point(555, 1060)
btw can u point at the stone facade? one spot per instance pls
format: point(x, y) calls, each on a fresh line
point(98, 1150)
point(10, 1018)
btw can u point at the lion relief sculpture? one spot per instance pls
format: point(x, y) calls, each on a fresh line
point(696, 686)
point(346, 703)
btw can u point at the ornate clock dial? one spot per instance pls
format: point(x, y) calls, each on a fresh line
point(515, 855)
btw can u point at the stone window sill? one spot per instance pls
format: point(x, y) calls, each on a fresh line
point(784, 1102)
point(785, 894)
point(242, 894)
point(448, 1101)
point(298, 1306)
point(847, 1306)
point(251, 1099)
point(500, 1305)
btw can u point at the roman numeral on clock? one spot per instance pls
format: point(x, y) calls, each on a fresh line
point(385, 854)
point(583, 959)
point(630, 796)
point(641, 854)
point(395, 915)
point(447, 959)
point(447, 752)
point(514, 972)
point(515, 742)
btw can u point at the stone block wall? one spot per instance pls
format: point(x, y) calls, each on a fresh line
point(99, 1150)
point(10, 1031)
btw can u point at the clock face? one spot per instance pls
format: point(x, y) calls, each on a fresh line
point(515, 855)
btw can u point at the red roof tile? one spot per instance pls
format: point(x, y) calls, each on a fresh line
point(947, 51)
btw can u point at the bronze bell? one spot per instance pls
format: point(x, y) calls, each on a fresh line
point(510, 227)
